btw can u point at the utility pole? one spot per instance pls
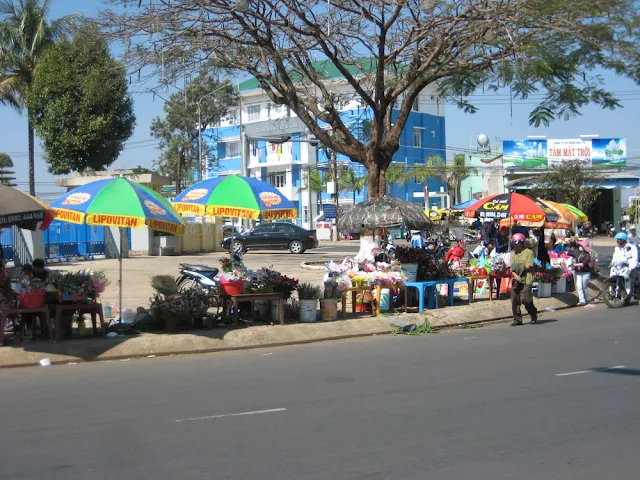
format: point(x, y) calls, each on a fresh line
point(334, 161)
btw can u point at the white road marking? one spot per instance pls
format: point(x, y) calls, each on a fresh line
point(212, 417)
point(469, 338)
point(265, 354)
point(580, 372)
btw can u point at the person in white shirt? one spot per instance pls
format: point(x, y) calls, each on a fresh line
point(633, 238)
point(624, 260)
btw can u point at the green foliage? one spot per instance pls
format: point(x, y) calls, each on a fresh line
point(178, 130)
point(80, 105)
point(309, 291)
point(547, 52)
point(571, 182)
point(25, 33)
point(424, 329)
point(6, 170)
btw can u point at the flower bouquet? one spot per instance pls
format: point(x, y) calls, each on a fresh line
point(172, 308)
point(545, 276)
point(410, 255)
point(335, 286)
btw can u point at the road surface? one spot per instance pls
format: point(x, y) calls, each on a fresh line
point(558, 400)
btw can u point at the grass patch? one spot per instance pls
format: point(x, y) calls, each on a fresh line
point(467, 326)
point(424, 329)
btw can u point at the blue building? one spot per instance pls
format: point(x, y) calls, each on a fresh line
point(284, 164)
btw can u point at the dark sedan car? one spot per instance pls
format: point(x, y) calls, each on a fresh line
point(272, 236)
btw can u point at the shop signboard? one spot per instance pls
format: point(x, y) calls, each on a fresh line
point(546, 153)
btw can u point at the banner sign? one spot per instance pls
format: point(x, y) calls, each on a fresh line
point(546, 153)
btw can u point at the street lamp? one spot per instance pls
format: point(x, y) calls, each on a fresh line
point(226, 84)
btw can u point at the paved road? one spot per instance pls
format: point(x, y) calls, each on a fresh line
point(468, 404)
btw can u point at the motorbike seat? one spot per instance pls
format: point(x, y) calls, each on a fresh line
point(199, 268)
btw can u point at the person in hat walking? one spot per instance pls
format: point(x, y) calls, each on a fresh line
point(522, 275)
point(582, 254)
point(633, 238)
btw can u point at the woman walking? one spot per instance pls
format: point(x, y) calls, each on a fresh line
point(582, 254)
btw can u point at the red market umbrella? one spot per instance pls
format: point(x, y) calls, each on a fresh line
point(510, 208)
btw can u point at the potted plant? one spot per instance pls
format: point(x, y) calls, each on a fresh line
point(173, 309)
point(308, 295)
point(333, 289)
point(545, 279)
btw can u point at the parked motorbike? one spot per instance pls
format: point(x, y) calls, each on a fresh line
point(616, 289)
point(197, 276)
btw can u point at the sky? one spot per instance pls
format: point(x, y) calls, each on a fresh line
point(496, 119)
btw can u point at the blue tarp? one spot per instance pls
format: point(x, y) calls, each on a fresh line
point(464, 205)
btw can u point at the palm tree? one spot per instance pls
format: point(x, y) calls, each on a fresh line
point(350, 181)
point(452, 175)
point(25, 32)
point(396, 175)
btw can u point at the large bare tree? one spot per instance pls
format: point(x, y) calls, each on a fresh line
point(388, 51)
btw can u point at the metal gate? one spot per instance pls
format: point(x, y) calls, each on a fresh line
point(6, 240)
point(64, 241)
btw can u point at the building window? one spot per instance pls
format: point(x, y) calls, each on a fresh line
point(233, 149)
point(253, 113)
point(416, 104)
point(417, 137)
point(305, 214)
point(277, 179)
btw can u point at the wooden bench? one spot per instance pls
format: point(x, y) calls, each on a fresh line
point(94, 309)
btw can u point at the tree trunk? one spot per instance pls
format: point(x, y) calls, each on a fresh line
point(179, 172)
point(32, 166)
point(425, 188)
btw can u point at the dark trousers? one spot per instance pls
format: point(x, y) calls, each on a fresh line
point(521, 294)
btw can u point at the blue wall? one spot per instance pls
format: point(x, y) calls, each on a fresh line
point(432, 145)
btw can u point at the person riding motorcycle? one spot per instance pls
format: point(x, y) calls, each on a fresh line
point(624, 260)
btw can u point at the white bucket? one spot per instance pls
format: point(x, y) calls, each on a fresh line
point(544, 290)
point(560, 286)
point(385, 299)
point(275, 311)
point(308, 310)
point(262, 308)
point(45, 362)
point(329, 308)
point(410, 270)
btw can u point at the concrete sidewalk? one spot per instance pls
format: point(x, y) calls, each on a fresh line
point(199, 341)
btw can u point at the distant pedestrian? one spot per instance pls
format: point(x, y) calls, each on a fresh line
point(582, 254)
point(632, 237)
point(522, 278)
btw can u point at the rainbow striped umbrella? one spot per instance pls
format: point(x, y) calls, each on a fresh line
point(118, 202)
point(236, 197)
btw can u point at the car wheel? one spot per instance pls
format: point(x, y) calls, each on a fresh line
point(296, 247)
point(237, 247)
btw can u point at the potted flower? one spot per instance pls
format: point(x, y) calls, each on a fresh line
point(333, 289)
point(308, 295)
point(409, 259)
point(545, 279)
point(173, 309)
point(31, 293)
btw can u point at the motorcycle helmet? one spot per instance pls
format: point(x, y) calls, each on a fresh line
point(621, 236)
point(517, 238)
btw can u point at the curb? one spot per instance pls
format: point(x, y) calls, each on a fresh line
point(382, 331)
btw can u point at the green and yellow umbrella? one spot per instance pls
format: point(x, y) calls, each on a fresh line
point(236, 197)
point(580, 215)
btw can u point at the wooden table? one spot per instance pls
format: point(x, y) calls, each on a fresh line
point(474, 279)
point(10, 312)
point(498, 279)
point(251, 297)
point(91, 308)
point(354, 291)
point(391, 288)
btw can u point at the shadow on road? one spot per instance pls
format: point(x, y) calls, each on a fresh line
point(546, 320)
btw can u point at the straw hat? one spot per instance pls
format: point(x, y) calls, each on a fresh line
point(585, 244)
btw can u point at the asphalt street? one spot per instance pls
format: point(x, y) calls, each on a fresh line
point(557, 400)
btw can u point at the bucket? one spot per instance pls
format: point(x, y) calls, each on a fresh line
point(308, 310)
point(232, 287)
point(262, 307)
point(275, 311)
point(32, 300)
point(544, 290)
point(560, 286)
point(329, 308)
point(410, 270)
point(385, 299)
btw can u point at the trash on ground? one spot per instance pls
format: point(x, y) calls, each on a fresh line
point(45, 362)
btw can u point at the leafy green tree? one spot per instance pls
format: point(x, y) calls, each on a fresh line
point(452, 174)
point(25, 32)
point(387, 52)
point(572, 182)
point(7, 175)
point(80, 105)
point(178, 131)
